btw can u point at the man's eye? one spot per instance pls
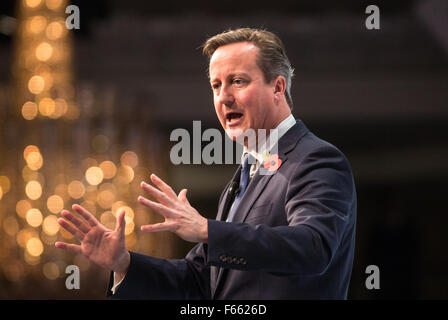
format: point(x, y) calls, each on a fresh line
point(238, 82)
point(215, 86)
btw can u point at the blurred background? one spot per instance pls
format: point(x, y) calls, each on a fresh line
point(86, 115)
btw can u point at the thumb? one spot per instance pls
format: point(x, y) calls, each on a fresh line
point(183, 196)
point(121, 222)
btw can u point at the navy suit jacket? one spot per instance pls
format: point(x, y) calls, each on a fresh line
point(292, 237)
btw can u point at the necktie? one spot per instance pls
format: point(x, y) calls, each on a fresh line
point(244, 181)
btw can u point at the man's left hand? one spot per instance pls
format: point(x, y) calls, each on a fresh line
point(180, 217)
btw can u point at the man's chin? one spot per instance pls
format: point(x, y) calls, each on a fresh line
point(234, 133)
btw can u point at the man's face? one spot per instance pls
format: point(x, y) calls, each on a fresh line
point(242, 98)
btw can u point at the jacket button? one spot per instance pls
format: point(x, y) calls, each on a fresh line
point(223, 258)
point(235, 260)
point(242, 261)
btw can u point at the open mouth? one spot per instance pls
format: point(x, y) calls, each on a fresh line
point(233, 117)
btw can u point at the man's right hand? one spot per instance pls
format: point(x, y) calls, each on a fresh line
point(103, 246)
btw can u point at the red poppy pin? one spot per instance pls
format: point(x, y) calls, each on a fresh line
point(272, 162)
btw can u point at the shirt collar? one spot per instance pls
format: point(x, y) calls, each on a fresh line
point(260, 154)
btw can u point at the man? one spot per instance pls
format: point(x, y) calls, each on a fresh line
point(286, 235)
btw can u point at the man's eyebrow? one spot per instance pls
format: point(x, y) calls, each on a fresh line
point(236, 74)
point(230, 76)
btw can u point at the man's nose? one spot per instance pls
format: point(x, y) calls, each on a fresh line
point(226, 96)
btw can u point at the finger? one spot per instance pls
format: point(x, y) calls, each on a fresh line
point(77, 222)
point(163, 186)
point(121, 222)
point(86, 215)
point(157, 227)
point(74, 231)
point(157, 194)
point(69, 247)
point(157, 207)
point(183, 196)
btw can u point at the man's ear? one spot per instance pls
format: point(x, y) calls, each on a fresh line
point(279, 88)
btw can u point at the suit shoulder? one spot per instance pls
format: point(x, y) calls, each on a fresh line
point(312, 144)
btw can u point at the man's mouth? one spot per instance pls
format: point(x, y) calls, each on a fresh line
point(233, 118)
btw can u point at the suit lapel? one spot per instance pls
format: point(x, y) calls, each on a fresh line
point(227, 198)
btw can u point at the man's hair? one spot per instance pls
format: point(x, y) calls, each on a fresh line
point(271, 59)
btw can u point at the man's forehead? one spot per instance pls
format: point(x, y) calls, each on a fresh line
point(240, 55)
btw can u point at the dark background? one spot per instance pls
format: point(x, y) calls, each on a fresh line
point(381, 96)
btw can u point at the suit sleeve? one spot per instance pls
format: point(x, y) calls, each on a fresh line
point(154, 278)
point(319, 202)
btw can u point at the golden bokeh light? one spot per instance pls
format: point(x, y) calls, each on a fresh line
point(55, 30)
point(76, 189)
point(36, 84)
point(29, 110)
point(48, 78)
point(94, 176)
point(55, 203)
point(36, 24)
point(34, 160)
point(28, 149)
point(34, 217)
point(1, 193)
point(34, 247)
point(5, 184)
point(33, 190)
point(50, 270)
point(44, 51)
point(128, 211)
point(109, 169)
point(46, 106)
point(60, 108)
point(117, 205)
point(47, 239)
point(24, 235)
point(53, 4)
point(11, 226)
point(131, 242)
point(107, 195)
point(129, 218)
point(50, 225)
point(32, 3)
point(105, 199)
point(125, 174)
point(108, 220)
point(22, 208)
point(30, 259)
point(129, 228)
point(129, 158)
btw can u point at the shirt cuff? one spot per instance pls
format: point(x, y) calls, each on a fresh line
point(117, 280)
